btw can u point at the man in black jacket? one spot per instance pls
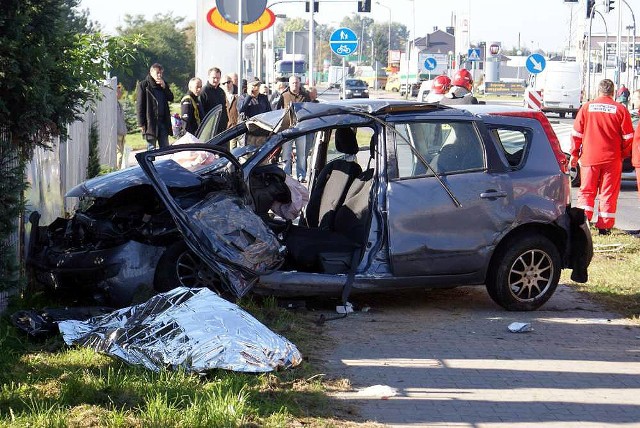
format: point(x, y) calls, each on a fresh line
point(152, 108)
point(212, 95)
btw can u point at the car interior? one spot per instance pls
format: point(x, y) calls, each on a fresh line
point(332, 231)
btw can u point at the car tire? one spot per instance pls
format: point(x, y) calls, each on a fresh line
point(524, 273)
point(574, 114)
point(179, 267)
point(561, 114)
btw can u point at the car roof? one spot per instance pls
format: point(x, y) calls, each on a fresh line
point(482, 109)
point(277, 120)
point(304, 111)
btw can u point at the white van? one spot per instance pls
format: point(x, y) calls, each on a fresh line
point(560, 84)
point(425, 88)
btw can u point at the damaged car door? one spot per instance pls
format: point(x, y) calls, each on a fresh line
point(439, 234)
point(217, 223)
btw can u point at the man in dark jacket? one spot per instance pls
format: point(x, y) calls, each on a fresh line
point(190, 108)
point(152, 108)
point(213, 95)
point(254, 102)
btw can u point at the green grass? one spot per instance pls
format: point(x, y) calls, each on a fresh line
point(614, 274)
point(47, 384)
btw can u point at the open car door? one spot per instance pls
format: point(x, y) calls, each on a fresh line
point(209, 125)
point(213, 214)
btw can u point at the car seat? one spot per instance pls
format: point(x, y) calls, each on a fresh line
point(333, 182)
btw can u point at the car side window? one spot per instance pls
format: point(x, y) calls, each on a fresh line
point(514, 142)
point(448, 147)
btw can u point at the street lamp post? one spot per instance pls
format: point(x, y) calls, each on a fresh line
point(633, 48)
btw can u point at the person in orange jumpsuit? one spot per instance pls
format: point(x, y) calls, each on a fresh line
point(601, 137)
point(635, 149)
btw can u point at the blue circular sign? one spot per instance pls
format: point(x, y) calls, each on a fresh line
point(535, 63)
point(343, 41)
point(430, 63)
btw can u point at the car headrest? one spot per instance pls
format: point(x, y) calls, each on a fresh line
point(346, 141)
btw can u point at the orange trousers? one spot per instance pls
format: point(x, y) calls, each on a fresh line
point(602, 181)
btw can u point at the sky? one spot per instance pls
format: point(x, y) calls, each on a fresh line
point(534, 24)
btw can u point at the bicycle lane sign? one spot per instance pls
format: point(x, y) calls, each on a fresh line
point(343, 41)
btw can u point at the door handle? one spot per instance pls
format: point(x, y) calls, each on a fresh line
point(493, 194)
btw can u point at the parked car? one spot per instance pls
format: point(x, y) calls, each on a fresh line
point(402, 195)
point(393, 83)
point(355, 88)
point(415, 87)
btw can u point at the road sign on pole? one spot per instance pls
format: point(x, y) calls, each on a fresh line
point(473, 55)
point(535, 63)
point(343, 41)
point(430, 63)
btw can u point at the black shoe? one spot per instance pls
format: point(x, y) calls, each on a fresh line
point(604, 231)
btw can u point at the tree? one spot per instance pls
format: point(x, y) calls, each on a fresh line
point(295, 24)
point(168, 42)
point(323, 51)
point(52, 63)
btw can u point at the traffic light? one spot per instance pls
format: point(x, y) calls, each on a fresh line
point(590, 6)
point(364, 5)
point(609, 5)
point(316, 5)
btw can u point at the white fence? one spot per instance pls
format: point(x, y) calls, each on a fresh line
point(53, 171)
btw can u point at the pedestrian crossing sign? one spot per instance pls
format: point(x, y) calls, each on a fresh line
point(473, 55)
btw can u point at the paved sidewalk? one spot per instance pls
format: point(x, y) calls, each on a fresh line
point(446, 358)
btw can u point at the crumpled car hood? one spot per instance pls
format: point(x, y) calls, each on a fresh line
point(106, 186)
point(189, 328)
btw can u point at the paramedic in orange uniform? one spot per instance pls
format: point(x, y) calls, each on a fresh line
point(601, 137)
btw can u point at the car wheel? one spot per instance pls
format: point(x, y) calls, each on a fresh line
point(179, 267)
point(574, 114)
point(561, 115)
point(524, 273)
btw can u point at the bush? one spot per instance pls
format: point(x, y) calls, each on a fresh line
point(12, 185)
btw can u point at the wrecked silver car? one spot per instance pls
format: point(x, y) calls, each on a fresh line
point(401, 195)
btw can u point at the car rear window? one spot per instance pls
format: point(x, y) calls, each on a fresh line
point(514, 142)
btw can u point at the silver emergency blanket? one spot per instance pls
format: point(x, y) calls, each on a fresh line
point(234, 241)
point(189, 328)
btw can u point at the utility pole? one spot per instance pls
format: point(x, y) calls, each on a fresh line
point(311, 44)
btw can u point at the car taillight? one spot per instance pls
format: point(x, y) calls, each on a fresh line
point(548, 130)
